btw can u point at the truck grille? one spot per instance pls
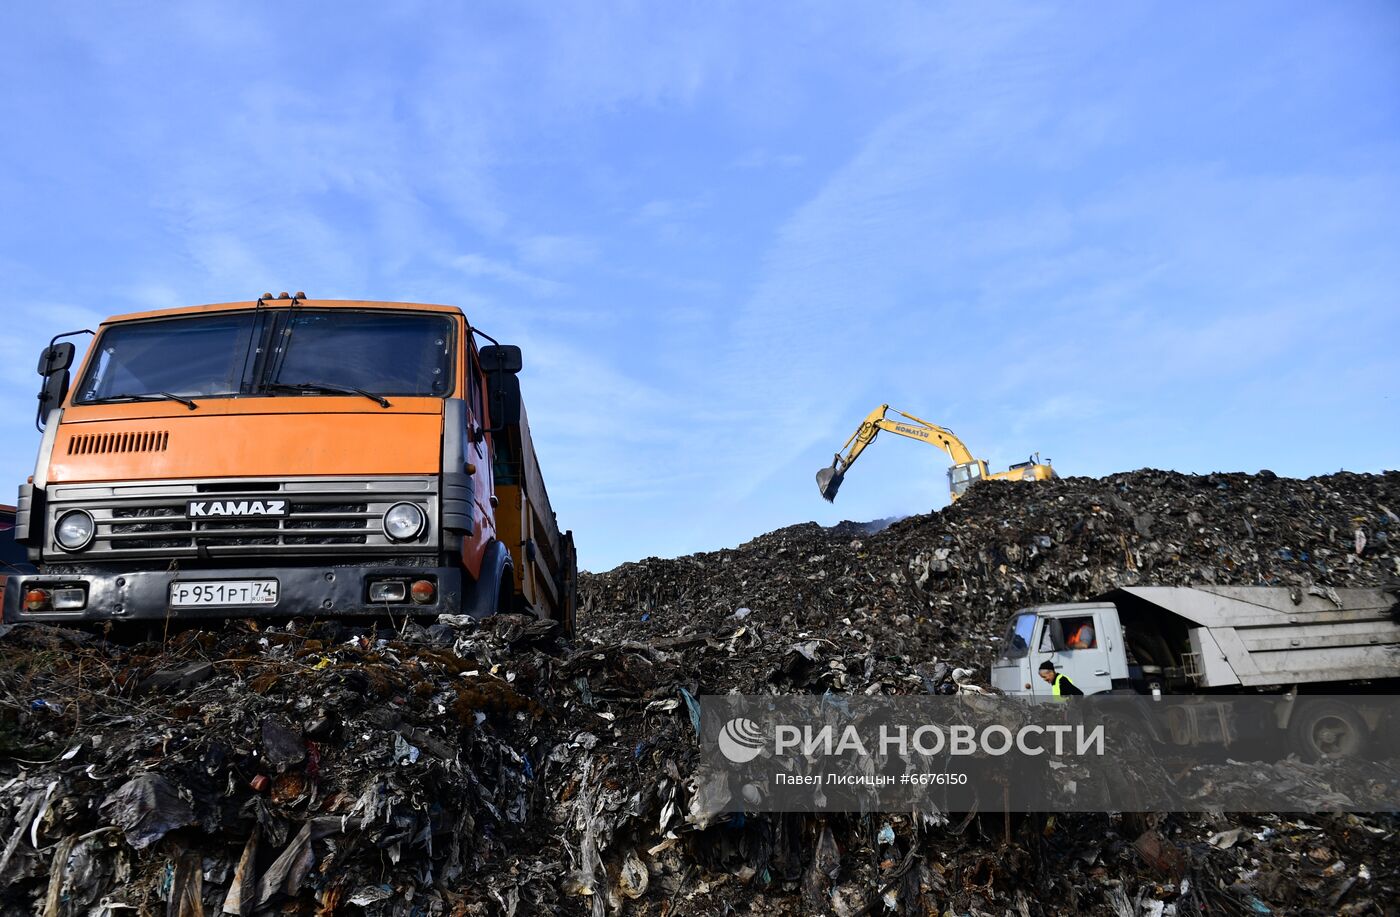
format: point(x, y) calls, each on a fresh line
point(306, 524)
point(322, 517)
point(105, 443)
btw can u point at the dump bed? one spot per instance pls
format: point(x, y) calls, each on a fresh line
point(545, 564)
point(1258, 636)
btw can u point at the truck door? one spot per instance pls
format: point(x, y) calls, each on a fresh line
point(478, 455)
point(1079, 643)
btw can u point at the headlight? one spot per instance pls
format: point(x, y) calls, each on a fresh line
point(75, 530)
point(404, 522)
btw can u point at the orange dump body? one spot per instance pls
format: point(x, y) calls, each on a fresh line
point(271, 492)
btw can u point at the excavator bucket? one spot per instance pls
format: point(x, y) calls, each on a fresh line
point(829, 481)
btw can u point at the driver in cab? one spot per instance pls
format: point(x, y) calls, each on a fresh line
point(1082, 637)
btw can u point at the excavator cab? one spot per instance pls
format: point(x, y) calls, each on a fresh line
point(961, 477)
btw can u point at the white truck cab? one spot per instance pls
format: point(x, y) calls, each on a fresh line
point(1083, 640)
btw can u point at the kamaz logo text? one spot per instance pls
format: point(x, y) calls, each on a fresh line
point(197, 508)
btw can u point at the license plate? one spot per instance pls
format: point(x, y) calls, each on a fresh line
point(224, 592)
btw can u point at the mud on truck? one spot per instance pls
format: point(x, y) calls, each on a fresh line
point(287, 456)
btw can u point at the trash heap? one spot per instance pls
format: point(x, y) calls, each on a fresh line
point(902, 609)
point(868, 608)
point(322, 768)
point(333, 767)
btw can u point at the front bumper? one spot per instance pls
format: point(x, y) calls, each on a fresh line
point(324, 591)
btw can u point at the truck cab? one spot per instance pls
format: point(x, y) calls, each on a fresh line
point(287, 456)
point(1083, 640)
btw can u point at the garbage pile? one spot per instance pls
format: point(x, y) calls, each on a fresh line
point(322, 768)
point(916, 607)
point(457, 768)
point(863, 609)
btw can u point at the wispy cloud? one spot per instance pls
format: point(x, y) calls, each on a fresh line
point(550, 250)
point(475, 265)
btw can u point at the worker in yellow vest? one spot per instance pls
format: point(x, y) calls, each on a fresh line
point(1062, 686)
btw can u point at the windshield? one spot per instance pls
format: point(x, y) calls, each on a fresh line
point(962, 476)
point(384, 353)
point(197, 355)
point(1017, 642)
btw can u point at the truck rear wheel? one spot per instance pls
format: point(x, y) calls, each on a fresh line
point(1327, 729)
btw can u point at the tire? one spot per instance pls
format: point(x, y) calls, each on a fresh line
point(493, 591)
point(1327, 729)
point(505, 593)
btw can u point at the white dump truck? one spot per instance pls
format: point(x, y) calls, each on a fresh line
point(1220, 640)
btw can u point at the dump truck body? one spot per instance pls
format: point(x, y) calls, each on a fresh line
point(1266, 637)
point(284, 457)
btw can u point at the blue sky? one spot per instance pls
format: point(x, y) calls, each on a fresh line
point(1122, 234)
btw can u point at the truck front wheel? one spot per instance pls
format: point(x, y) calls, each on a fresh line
point(1327, 729)
point(505, 595)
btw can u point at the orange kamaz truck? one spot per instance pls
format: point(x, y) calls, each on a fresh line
point(287, 456)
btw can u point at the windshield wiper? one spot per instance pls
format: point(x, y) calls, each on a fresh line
point(147, 396)
point(327, 387)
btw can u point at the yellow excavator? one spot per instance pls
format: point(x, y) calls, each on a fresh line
point(965, 472)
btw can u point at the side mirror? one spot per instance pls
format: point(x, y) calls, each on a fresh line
point(500, 358)
point(56, 358)
point(53, 366)
point(501, 362)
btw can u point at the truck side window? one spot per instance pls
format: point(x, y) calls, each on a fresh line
point(1079, 634)
point(474, 401)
